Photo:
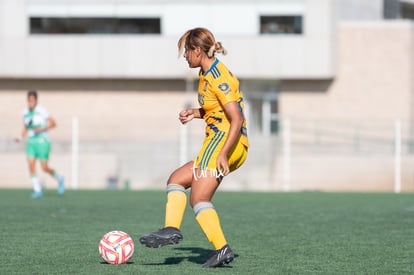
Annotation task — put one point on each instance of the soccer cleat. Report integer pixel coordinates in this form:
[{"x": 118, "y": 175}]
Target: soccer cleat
[
  {"x": 221, "y": 257},
  {"x": 36, "y": 195},
  {"x": 164, "y": 236},
  {"x": 61, "y": 185}
]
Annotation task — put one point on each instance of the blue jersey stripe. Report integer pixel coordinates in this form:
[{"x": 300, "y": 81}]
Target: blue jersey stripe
[
  {"x": 218, "y": 138},
  {"x": 204, "y": 157},
  {"x": 205, "y": 153},
  {"x": 216, "y": 73},
  {"x": 206, "y": 160}
]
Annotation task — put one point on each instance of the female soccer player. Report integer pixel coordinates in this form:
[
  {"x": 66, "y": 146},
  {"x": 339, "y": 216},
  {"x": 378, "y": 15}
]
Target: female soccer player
[
  {"x": 37, "y": 122},
  {"x": 223, "y": 151}
]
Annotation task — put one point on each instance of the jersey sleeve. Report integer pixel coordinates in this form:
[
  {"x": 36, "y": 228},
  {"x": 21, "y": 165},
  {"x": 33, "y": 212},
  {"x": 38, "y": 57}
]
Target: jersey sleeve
[{"x": 225, "y": 91}]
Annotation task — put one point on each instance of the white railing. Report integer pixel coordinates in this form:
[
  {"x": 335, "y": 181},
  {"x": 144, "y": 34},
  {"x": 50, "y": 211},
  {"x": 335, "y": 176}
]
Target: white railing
[{"x": 304, "y": 155}]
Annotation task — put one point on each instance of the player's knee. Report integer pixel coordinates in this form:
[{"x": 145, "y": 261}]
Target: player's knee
[
  {"x": 170, "y": 179},
  {"x": 180, "y": 179},
  {"x": 193, "y": 202},
  {"x": 197, "y": 199}
]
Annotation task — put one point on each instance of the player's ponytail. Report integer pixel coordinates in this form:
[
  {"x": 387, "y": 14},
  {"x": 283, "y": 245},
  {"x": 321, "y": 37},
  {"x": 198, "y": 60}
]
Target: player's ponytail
[
  {"x": 203, "y": 38},
  {"x": 216, "y": 48}
]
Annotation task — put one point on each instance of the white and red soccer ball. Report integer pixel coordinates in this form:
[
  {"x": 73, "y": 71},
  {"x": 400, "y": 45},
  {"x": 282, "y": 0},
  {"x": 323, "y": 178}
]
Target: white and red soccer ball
[{"x": 116, "y": 247}]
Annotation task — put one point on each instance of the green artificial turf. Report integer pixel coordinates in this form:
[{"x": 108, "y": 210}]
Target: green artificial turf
[{"x": 270, "y": 233}]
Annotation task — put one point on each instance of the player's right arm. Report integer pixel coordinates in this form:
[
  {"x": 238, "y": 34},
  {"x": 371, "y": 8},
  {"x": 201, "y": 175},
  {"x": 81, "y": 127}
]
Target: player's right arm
[
  {"x": 23, "y": 135},
  {"x": 187, "y": 115}
]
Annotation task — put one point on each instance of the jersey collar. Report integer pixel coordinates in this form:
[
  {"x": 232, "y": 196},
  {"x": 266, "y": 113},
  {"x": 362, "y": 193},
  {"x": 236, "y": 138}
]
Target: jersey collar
[
  {"x": 34, "y": 108},
  {"x": 212, "y": 67}
]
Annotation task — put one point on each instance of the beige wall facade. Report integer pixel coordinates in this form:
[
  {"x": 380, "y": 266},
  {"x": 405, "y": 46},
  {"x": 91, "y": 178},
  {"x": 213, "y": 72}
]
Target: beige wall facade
[
  {"x": 374, "y": 79},
  {"x": 373, "y": 88}
]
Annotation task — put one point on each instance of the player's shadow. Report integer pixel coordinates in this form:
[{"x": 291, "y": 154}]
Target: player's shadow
[
  {"x": 201, "y": 254},
  {"x": 200, "y": 257}
]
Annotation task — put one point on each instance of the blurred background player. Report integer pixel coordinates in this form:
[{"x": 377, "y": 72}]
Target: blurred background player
[
  {"x": 224, "y": 148},
  {"x": 37, "y": 122}
]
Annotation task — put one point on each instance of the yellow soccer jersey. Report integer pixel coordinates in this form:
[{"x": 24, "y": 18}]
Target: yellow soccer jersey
[{"x": 217, "y": 87}]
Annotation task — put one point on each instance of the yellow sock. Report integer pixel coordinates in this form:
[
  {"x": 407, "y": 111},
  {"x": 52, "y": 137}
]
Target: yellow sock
[
  {"x": 175, "y": 207},
  {"x": 209, "y": 222}
]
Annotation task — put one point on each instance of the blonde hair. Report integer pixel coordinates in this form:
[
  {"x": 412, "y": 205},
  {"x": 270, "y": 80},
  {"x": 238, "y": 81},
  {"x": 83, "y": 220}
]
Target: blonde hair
[{"x": 203, "y": 38}]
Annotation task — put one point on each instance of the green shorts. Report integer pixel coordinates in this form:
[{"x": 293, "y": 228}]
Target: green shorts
[{"x": 38, "y": 148}]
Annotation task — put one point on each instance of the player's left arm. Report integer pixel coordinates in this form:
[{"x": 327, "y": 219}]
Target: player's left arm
[{"x": 236, "y": 122}]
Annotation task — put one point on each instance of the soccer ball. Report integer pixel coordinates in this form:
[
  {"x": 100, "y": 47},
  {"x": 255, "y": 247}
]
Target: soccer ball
[{"x": 116, "y": 247}]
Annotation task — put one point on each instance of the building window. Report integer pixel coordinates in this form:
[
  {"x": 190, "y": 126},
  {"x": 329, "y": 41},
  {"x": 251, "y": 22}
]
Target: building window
[
  {"x": 394, "y": 9},
  {"x": 407, "y": 10},
  {"x": 76, "y": 25},
  {"x": 391, "y": 9},
  {"x": 292, "y": 24}
]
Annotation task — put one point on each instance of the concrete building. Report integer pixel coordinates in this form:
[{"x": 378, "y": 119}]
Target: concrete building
[{"x": 42, "y": 39}]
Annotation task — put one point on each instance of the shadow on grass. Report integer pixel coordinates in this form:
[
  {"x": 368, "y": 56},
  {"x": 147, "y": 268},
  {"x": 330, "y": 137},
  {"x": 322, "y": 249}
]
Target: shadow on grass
[
  {"x": 202, "y": 255},
  {"x": 105, "y": 263}
]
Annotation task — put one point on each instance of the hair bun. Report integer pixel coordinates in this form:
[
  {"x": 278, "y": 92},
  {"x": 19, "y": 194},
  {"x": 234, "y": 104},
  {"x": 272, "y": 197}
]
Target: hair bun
[
  {"x": 216, "y": 48},
  {"x": 220, "y": 49}
]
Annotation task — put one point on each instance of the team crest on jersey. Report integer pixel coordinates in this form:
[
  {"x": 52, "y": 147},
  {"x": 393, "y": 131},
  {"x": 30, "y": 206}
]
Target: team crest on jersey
[{"x": 224, "y": 87}]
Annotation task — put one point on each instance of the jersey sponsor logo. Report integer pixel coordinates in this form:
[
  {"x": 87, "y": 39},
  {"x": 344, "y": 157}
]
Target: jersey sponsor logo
[
  {"x": 239, "y": 104},
  {"x": 205, "y": 87},
  {"x": 218, "y": 119},
  {"x": 213, "y": 127},
  {"x": 224, "y": 87},
  {"x": 201, "y": 100},
  {"x": 243, "y": 131}
]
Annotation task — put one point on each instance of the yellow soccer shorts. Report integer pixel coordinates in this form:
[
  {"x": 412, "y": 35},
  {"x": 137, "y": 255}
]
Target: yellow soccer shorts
[{"x": 207, "y": 158}]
